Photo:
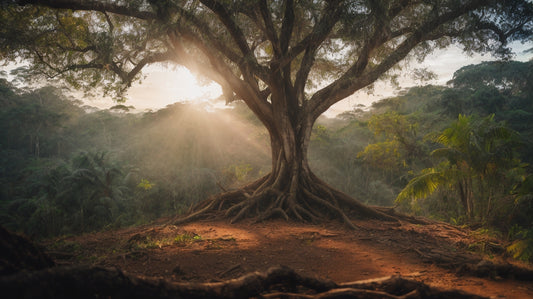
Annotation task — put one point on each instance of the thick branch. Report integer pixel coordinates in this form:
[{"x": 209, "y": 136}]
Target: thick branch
[
  {"x": 220, "y": 73},
  {"x": 502, "y": 35},
  {"x": 91, "y": 5},
  {"x": 310, "y": 44},
  {"x": 287, "y": 26},
  {"x": 303, "y": 74},
  {"x": 214, "y": 43},
  {"x": 285, "y": 35},
  {"x": 248, "y": 64},
  {"x": 208, "y": 35},
  {"x": 380, "y": 35},
  {"x": 354, "y": 79},
  {"x": 397, "y": 7},
  {"x": 230, "y": 25},
  {"x": 320, "y": 32},
  {"x": 269, "y": 28},
  {"x": 158, "y": 57}
]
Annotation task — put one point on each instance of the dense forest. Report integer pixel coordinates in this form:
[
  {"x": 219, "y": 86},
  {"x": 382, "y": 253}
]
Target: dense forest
[{"x": 459, "y": 153}]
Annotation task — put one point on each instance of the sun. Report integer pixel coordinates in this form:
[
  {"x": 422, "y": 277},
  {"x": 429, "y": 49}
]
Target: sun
[{"x": 162, "y": 86}]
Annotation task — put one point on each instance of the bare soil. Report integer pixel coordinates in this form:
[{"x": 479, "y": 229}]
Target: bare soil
[{"x": 437, "y": 254}]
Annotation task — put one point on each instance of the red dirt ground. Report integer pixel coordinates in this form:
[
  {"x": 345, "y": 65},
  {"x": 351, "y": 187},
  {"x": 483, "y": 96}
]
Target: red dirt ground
[{"x": 216, "y": 250}]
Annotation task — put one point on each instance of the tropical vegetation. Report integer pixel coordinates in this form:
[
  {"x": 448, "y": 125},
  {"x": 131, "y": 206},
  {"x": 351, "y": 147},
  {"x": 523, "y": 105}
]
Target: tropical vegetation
[{"x": 68, "y": 168}]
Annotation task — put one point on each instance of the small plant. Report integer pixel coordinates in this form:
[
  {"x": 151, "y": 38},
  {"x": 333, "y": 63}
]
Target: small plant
[
  {"x": 522, "y": 247},
  {"x": 149, "y": 243},
  {"x": 145, "y": 185},
  {"x": 459, "y": 221},
  {"x": 486, "y": 242},
  {"x": 186, "y": 239}
]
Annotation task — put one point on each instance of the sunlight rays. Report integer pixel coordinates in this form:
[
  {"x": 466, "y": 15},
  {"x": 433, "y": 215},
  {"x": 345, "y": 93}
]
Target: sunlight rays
[
  {"x": 186, "y": 140},
  {"x": 163, "y": 86}
]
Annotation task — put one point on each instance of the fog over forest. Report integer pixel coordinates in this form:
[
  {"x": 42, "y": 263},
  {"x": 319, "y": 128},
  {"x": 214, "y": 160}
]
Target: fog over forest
[{"x": 66, "y": 168}]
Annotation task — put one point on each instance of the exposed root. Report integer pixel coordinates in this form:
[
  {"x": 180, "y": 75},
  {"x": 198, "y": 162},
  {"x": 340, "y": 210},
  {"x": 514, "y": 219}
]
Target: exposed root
[
  {"x": 307, "y": 214},
  {"x": 238, "y": 207},
  {"x": 272, "y": 213},
  {"x": 335, "y": 209},
  {"x": 276, "y": 282},
  {"x": 195, "y": 215},
  {"x": 305, "y": 198}
]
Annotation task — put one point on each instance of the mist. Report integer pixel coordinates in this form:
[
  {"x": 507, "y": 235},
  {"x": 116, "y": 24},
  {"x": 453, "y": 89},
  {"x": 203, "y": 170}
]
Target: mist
[{"x": 69, "y": 168}]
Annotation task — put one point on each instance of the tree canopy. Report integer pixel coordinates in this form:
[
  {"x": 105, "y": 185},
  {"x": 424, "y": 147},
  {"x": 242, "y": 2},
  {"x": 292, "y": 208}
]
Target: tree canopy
[
  {"x": 289, "y": 61},
  {"x": 251, "y": 48}
]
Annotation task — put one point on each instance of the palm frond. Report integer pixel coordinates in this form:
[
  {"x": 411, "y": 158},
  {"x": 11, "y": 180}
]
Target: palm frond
[{"x": 422, "y": 185}]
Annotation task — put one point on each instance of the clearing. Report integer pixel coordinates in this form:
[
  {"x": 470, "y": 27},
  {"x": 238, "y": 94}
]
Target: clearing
[{"x": 437, "y": 254}]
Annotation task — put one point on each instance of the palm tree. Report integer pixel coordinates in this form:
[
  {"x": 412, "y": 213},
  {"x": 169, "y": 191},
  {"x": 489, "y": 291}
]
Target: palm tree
[
  {"x": 97, "y": 185},
  {"x": 477, "y": 153}
]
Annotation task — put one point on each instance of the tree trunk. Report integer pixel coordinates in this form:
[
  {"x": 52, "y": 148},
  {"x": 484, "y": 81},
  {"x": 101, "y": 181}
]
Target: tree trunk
[
  {"x": 463, "y": 197},
  {"x": 37, "y": 147},
  {"x": 291, "y": 190},
  {"x": 470, "y": 197}
]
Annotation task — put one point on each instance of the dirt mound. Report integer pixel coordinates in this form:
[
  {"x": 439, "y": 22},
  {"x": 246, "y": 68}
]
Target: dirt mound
[{"x": 18, "y": 253}]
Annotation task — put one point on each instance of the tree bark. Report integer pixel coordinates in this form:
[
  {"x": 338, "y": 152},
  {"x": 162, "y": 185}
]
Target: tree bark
[{"x": 291, "y": 190}]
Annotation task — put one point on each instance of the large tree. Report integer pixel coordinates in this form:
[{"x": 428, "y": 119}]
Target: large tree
[{"x": 289, "y": 61}]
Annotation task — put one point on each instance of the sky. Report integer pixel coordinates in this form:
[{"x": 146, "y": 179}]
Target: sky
[
  {"x": 443, "y": 63},
  {"x": 163, "y": 86}
]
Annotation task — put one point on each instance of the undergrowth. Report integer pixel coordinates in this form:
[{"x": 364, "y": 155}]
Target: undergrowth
[{"x": 522, "y": 243}]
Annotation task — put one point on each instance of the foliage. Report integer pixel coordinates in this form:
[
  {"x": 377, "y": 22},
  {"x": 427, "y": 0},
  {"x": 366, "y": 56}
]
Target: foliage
[
  {"x": 499, "y": 186},
  {"x": 145, "y": 185},
  {"x": 400, "y": 134},
  {"x": 90, "y": 46},
  {"x": 186, "y": 239},
  {"x": 116, "y": 169},
  {"x": 522, "y": 246},
  {"x": 521, "y": 232},
  {"x": 510, "y": 77},
  {"x": 102, "y": 169},
  {"x": 275, "y": 56},
  {"x": 478, "y": 154}
]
